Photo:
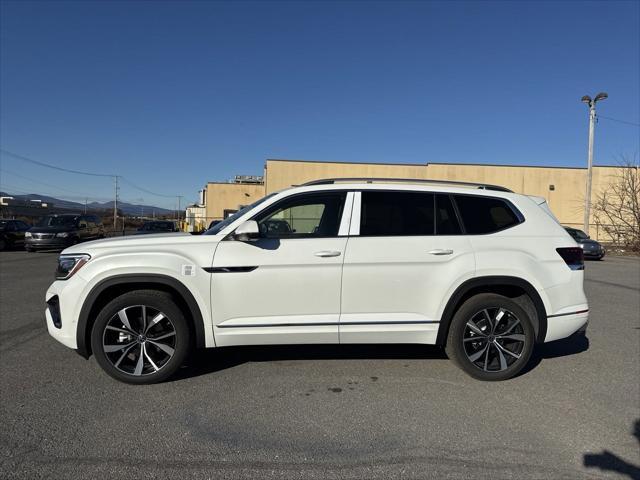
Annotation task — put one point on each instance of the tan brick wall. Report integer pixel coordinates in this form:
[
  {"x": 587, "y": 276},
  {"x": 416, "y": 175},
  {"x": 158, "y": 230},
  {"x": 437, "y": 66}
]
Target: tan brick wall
[
  {"x": 566, "y": 200},
  {"x": 222, "y": 196}
]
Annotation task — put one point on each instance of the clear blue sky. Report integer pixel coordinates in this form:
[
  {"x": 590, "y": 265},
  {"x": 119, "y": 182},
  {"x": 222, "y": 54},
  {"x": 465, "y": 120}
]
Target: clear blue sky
[{"x": 173, "y": 94}]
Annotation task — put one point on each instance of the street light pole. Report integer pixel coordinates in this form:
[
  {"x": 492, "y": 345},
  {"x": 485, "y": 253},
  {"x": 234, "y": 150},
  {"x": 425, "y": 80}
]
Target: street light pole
[{"x": 592, "y": 130}]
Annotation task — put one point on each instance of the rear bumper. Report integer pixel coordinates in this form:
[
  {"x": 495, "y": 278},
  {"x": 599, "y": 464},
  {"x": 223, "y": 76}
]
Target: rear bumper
[{"x": 562, "y": 325}]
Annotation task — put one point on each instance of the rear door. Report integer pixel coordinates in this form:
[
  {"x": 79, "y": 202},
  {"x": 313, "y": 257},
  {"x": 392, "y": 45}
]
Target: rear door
[
  {"x": 405, "y": 252},
  {"x": 285, "y": 286}
]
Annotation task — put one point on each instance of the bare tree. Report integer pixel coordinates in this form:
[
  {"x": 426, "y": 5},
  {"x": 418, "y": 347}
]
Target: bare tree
[{"x": 617, "y": 208}]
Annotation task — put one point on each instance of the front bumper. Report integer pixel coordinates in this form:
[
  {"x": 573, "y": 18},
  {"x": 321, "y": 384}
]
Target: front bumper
[
  {"x": 593, "y": 251},
  {"x": 62, "y": 309},
  {"x": 48, "y": 243}
]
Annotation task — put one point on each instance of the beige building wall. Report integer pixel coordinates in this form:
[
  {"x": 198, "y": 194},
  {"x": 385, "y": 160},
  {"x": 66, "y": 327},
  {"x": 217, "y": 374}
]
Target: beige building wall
[
  {"x": 566, "y": 199},
  {"x": 281, "y": 174},
  {"x": 230, "y": 196},
  {"x": 562, "y": 187}
]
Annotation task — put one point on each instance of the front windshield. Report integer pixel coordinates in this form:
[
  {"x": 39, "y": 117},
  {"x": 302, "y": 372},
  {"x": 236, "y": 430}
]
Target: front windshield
[
  {"x": 63, "y": 221},
  {"x": 578, "y": 234},
  {"x": 158, "y": 226},
  {"x": 227, "y": 221}
]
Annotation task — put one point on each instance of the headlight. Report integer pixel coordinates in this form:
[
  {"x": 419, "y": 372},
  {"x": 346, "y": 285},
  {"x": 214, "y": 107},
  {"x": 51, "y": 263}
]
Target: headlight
[
  {"x": 69, "y": 264},
  {"x": 27, "y": 234},
  {"x": 62, "y": 234}
]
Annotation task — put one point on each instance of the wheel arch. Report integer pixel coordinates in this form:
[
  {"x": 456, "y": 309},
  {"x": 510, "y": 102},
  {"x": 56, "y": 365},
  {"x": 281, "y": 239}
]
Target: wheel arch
[
  {"x": 111, "y": 287},
  {"x": 513, "y": 287}
]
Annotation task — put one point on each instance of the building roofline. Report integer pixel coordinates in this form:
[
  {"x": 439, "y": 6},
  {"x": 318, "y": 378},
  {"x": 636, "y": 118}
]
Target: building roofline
[
  {"x": 436, "y": 163},
  {"x": 234, "y": 183},
  {"x": 348, "y": 163}
]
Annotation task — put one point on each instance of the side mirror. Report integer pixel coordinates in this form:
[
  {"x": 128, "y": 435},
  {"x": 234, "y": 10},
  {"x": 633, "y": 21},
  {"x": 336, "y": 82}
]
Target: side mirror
[{"x": 247, "y": 231}]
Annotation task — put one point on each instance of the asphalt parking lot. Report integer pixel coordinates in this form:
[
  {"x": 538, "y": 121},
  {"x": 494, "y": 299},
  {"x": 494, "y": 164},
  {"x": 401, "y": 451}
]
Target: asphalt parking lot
[{"x": 322, "y": 412}]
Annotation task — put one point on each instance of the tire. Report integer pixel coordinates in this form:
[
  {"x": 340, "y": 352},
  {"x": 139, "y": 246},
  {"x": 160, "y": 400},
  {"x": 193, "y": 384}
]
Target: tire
[
  {"x": 28, "y": 249},
  {"x": 3, "y": 244},
  {"x": 160, "y": 358},
  {"x": 501, "y": 349}
]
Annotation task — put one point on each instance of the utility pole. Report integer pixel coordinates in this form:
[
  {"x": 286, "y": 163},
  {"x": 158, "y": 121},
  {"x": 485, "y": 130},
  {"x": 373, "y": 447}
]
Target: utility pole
[
  {"x": 115, "y": 204},
  {"x": 592, "y": 129},
  {"x": 85, "y": 205},
  {"x": 179, "y": 201}
]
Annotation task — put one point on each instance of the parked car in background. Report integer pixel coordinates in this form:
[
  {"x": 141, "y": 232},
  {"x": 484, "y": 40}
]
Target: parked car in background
[
  {"x": 61, "y": 231},
  {"x": 12, "y": 233},
  {"x": 213, "y": 224},
  {"x": 157, "y": 226},
  {"x": 590, "y": 248}
]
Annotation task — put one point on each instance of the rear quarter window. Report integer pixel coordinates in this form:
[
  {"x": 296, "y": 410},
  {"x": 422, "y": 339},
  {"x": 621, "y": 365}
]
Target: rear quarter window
[{"x": 481, "y": 215}]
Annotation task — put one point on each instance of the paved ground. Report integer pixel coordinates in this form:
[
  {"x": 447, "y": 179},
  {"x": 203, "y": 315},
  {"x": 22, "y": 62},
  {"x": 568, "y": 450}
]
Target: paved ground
[{"x": 322, "y": 412}]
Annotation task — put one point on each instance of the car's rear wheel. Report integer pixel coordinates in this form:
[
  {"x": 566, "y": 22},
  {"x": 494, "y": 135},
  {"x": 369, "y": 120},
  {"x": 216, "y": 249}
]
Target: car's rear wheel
[
  {"x": 491, "y": 337},
  {"x": 141, "y": 337}
]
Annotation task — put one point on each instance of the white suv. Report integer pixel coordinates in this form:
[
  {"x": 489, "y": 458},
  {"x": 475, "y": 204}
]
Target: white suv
[{"x": 478, "y": 269}]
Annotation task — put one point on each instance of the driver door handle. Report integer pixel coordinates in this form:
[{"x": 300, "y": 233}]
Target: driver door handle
[
  {"x": 441, "y": 251},
  {"x": 327, "y": 253}
]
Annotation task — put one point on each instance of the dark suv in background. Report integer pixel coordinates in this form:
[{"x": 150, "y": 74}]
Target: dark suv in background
[
  {"x": 590, "y": 248},
  {"x": 61, "y": 231}
]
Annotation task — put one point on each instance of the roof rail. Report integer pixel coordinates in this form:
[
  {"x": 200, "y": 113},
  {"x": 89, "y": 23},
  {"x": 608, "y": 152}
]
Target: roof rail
[{"x": 483, "y": 186}]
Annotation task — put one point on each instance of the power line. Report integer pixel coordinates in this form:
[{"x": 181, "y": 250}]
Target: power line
[
  {"x": 61, "y": 169},
  {"x": 56, "y": 196},
  {"x": 78, "y": 172},
  {"x": 131, "y": 184},
  {"x": 43, "y": 164},
  {"x": 619, "y": 121},
  {"x": 42, "y": 183}
]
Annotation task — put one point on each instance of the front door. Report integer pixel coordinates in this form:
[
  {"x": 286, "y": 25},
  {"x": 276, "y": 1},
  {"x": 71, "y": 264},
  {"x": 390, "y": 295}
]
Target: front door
[
  {"x": 285, "y": 286},
  {"x": 404, "y": 254}
]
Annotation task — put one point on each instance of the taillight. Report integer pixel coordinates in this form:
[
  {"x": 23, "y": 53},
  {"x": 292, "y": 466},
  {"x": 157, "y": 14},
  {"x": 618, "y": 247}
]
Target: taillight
[{"x": 573, "y": 257}]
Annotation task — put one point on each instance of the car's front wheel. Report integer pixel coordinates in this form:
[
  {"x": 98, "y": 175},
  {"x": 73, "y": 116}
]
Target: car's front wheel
[
  {"x": 491, "y": 337},
  {"x": 141, "y": 337}
]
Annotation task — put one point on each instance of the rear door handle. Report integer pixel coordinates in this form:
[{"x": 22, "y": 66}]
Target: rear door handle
[
  {"x": 327, "y": 253},
  {"x": 440, "y": 251}
]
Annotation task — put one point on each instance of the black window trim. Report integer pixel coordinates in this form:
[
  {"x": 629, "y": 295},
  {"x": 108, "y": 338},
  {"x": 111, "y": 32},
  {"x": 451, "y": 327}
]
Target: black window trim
[
  {"x": 519, "y": 216},
  {"x": 428, "y": 192},
  {"x": 521, "y": 219},
  {"x": 269, "y": 208}
]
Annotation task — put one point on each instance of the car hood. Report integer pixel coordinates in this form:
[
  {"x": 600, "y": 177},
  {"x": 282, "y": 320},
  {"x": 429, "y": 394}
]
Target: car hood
[
  {"x": 55, "y": 229},
  {"x": 140, "y": 243}
]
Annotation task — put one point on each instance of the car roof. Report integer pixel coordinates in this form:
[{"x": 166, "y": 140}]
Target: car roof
[{"x": 396, "y": 186}]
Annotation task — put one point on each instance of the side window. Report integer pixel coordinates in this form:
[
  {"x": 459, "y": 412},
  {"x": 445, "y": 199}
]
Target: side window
[
  {"x": 446, "y": 218},
  {"x": 303, "y": 216},
  {"x": 484, "y": 214},
  {"x": 396, "y": 213},
  {"x": 12, "y": 227}
]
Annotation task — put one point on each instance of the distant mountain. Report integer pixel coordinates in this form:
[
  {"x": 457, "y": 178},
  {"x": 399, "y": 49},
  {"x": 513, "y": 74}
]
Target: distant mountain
[
  {"x": 126, "y": 208},
  {"x": 130, "y": 208}
]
